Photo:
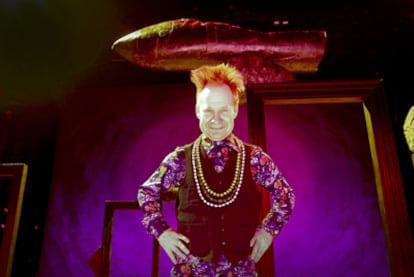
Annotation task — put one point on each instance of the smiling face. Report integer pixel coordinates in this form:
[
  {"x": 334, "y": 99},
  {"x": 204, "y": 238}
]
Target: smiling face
[{"x": 216, "y": 111}]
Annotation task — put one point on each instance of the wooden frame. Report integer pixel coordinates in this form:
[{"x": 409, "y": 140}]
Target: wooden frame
[
  {"x": 14, "y": 177},
  {"x": 110, "y": 207},
  {"x": 390, "y": 190}
]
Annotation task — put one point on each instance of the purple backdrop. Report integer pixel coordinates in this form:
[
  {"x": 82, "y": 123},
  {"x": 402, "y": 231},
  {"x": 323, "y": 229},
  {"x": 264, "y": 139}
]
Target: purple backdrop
[{"x": 111, "y": 140}]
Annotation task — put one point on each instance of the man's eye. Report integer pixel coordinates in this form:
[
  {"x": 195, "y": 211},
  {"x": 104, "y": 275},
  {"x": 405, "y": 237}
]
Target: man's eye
[
  {"x": 208, "y": 112},
  {"x": 225, "y": 111}
]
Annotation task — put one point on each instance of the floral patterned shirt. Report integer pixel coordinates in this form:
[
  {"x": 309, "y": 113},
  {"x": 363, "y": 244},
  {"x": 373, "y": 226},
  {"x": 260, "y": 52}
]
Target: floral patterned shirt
[{"x": 172, "y": 170}]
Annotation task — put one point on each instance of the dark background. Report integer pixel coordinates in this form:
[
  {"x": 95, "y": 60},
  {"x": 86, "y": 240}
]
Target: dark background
[{"x": 48, "y": 49}]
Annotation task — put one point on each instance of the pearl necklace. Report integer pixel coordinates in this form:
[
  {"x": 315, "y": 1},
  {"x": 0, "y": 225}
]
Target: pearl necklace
[{"x": 209, "y": 196}]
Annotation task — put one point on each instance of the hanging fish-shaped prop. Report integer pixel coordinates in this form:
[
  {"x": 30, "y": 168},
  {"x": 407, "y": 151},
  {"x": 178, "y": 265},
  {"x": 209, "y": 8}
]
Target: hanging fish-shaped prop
[{"x": 184, "y": 44}]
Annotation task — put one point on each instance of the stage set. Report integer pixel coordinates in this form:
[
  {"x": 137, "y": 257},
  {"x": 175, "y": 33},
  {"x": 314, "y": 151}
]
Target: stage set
[{"x": 332, "y": 139}]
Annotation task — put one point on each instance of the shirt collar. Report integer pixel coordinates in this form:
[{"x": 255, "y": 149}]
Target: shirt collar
[{"x": 208, "y": 144}]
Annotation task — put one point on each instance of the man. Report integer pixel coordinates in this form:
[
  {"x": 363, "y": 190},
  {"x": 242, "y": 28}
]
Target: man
[{"x": 217, "y": 176}]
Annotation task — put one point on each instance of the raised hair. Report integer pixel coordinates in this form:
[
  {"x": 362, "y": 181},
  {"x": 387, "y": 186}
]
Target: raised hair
[{"x": 221, "y": 74}]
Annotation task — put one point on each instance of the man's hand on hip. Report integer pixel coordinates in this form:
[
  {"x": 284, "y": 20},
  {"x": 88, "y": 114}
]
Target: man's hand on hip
[
  {"x": 260, "y": 243},
  {"x": 174, "y": 244}
]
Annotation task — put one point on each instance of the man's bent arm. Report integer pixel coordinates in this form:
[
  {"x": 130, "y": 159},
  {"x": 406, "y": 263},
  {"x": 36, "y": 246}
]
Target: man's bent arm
[{"x": 169, "y": 173}]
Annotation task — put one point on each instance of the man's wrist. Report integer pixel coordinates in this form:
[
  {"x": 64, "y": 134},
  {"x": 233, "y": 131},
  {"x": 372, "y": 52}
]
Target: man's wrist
[
  {"x": 157, "y": 227},
  {"x": 269, "y": 230}
]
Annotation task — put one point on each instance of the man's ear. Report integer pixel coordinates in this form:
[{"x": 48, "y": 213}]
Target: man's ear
[
  {"x": 236, "y": 111},
  {"x": 197, "y": 111}
]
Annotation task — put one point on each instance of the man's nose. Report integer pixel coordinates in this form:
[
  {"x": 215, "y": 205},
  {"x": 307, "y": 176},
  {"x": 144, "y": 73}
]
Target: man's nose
[{"x": 216, "y": 118}]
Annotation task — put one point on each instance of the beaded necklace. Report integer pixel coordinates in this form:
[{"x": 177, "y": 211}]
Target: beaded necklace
[{"x": 209, "y": 196}]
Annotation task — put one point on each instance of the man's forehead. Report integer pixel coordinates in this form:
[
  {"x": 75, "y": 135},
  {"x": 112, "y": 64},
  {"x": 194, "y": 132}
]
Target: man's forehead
[
  {"x": 215, "y": 105},
  {"x": 215, "y": 97},
  {"x": 216, "y": 102}
]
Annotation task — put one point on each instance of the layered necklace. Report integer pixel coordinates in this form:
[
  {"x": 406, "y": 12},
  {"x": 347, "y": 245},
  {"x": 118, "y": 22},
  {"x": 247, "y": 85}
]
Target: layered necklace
[{"x": 206, "y": 193}]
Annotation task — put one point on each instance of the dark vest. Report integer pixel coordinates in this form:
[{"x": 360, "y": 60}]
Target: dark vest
[{"x": 213, "y": 231}]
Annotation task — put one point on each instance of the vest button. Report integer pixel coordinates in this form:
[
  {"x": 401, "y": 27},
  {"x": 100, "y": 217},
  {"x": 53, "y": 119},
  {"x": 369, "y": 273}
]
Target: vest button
[
  {"x": 223, "y": 243},
  {"x": 222, "y": 229}
]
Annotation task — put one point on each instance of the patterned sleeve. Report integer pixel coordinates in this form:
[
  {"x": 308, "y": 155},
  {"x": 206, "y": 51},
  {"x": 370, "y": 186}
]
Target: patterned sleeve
[
  {"x": 266, "y": 173},
  {"x": 170, "y": 172}
]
